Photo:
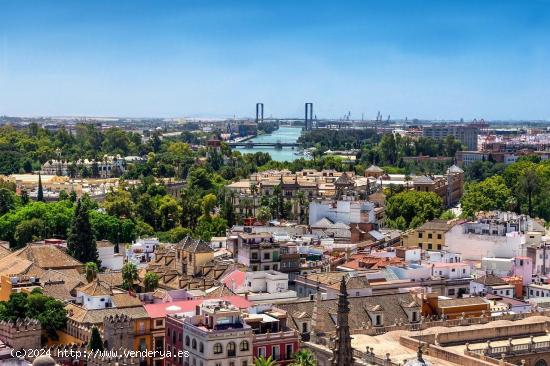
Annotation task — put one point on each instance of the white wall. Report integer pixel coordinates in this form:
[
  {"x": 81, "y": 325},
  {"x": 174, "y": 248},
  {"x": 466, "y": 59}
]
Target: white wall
[
  {"x": 475, "y": 247},
  {"x": 345, "y": 211},
  {"x": 94, "y": 302},
  {"x": 109, "y": 259},
  {"x": 416, "y": 273}
]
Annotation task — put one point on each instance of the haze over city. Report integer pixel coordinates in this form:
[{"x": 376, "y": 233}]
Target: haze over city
[{"x": 430, "y": 59}]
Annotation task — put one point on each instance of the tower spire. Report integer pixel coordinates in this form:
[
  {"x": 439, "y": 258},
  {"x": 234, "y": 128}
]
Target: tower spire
[{"x": 342, "y": 353}]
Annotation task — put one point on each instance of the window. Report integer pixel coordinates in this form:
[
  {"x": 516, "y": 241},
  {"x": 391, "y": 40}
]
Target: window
[
  {"x": 201, "y": 347},
  {"x": 159, "y": 322},
  {"x": 438, "y": 246},
  {"x": 429, "y": 235},
  {"x": 267, "y": 255},
  {"x": 231, "y": 349},
  {"x": 419, "y": 235},
  {"x": 187, "y": 341},
  {"x": 304, "y": 326},
  {"x": 218, "y": 348},
  {"x": 289, "y": 349},
  {"x": 378, "y": 320},
  {"x": 244, "y": 346},
  {"x": 266, "y": 268},
  {"x": 194, "y": 343},
  {"x": 276, "y": 352},
  {"x": 244, "y": 363},
  {"x": 430, "y": 246},
  {"x": 439, "y": 236},
  {"x": 254, "y": 255},
  {"x": 261, "y": 351},
  {"x": 451, "y": 292},
  {"x": 275, "y": 267}
]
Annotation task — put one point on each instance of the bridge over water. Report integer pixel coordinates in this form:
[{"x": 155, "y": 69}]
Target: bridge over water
[{"x": 251, "y": 144}]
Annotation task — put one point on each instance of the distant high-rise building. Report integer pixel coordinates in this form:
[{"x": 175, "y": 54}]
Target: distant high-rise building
[{"x": 466, "y": 134}]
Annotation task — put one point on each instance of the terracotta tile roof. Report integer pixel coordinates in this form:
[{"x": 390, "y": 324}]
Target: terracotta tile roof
[
  {"x": 13, "y": 265},
  {"x": 195, "y": 246},
  {"x": 124, "y": 300},
  {"x": 465, "y": 301},
  {"x": 220, "y": 291},
  {"x": 59, "y": 285},
  {"x": 344, "y": 180},
  {"x": 96, "y": 288},
  {"x": 46, "y": 256},
  {"x": 333, "y": 279},
  {"x": 113, "y": 278},
  {"x": 361, "y": 261},
  {"x": 4, "y": 252},
  {"x": 96, "y": 316},
  {"x": 437, "y": 224},
  {"x": 490, "y": 280},
  {"x": 392, "y": 306}
]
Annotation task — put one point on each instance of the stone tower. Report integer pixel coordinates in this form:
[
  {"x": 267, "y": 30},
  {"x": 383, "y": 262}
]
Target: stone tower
[
  {"x": 342, "y": 353},
  {"x": 118, "y": 332}
]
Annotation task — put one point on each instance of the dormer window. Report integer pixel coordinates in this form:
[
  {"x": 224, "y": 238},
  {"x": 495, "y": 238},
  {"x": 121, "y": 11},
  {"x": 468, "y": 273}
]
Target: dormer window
[{"x": 378, "y": 320}]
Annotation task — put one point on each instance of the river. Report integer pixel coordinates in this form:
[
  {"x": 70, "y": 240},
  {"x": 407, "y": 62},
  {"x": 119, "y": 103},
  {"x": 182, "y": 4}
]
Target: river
[{"x": 283, "y": 134}]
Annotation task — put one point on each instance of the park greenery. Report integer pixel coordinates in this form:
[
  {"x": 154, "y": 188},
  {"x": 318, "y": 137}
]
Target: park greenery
[{"x": 520, "y": 187}]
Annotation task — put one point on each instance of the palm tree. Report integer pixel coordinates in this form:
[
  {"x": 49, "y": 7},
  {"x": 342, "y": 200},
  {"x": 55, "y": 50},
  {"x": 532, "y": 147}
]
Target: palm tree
[
  {"x": 150, "y": 281},
  {"x": 262, "y": 361},
  {"x": 129, "y": 275},
  {"x": 304, "y": 357}
]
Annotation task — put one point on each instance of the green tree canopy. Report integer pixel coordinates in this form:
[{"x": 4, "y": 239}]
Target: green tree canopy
[
  {"x": 150, "y": 281},
  {"x": 95, "y": 343},
  {"x": 414, "y": 207},
  {"x": 81, "y": 242},
  {"x": 490, "y": 194}
]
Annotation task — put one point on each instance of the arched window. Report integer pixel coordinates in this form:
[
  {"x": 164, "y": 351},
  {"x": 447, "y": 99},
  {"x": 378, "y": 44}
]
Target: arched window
[
  {"x": 218, "y": 348},
  {"x": 187, "y": 341},
  {"x": 244, "y": 346},
  {"x": 201, "y": 347},
  {"x": 194, "y": 343},
  {"x": 231, "y": 349}
]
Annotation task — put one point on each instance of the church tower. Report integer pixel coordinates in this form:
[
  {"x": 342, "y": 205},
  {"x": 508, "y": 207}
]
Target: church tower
[{"x": 342, "y": 353}]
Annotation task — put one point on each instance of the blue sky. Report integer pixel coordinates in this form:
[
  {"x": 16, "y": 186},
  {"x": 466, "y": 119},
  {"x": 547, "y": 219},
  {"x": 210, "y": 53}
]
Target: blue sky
[{"x": 426, "y": 59}]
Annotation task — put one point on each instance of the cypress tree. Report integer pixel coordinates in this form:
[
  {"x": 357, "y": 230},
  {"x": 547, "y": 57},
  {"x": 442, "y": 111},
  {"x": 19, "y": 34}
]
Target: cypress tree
[
  {"x": 95, "y": 344},
  {"x": 40, "y": 194},
  {"x": 81, "y": 242}
]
